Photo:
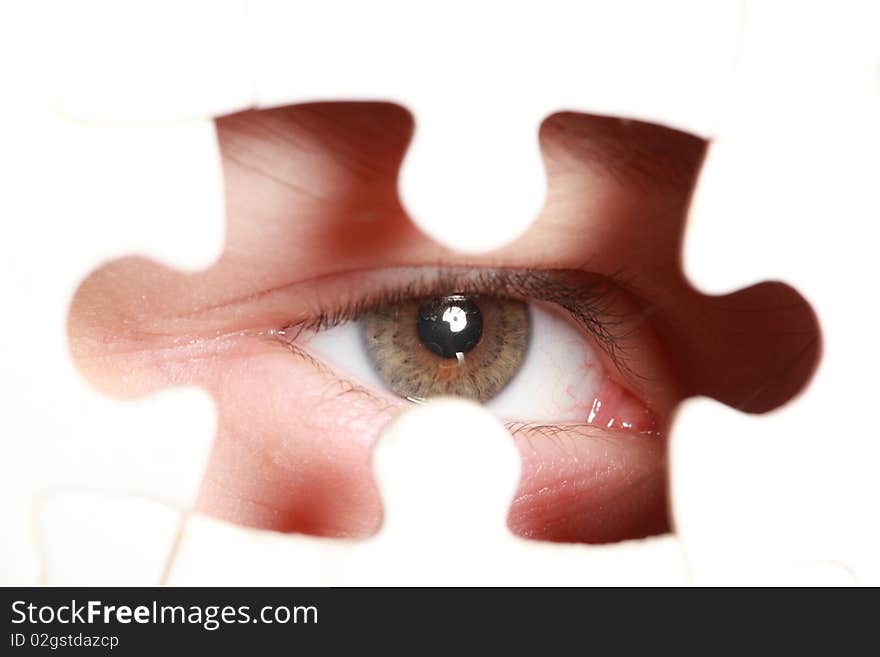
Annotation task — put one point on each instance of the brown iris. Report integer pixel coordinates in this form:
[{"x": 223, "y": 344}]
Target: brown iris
[{"x": 468, "y": 346}]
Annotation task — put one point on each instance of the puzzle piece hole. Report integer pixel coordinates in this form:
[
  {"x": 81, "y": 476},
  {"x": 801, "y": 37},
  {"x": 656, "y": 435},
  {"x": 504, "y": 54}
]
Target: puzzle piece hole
[{"x": 316, "y": 233}]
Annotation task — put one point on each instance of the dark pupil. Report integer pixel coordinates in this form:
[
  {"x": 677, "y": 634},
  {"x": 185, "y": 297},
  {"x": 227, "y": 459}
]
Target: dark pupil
[{"x": 450, "y": 325}]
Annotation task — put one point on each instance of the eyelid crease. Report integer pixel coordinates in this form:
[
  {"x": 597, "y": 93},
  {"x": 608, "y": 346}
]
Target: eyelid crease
[{"x": 588, "y": 299}]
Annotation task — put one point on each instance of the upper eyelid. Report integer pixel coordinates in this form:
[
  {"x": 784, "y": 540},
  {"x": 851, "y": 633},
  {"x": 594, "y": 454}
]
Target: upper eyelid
[{"x": 527, "y": 284}]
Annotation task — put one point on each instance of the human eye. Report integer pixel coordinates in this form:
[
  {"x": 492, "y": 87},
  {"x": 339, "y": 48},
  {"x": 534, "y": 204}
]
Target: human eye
[{"x": 533, "y": 346}]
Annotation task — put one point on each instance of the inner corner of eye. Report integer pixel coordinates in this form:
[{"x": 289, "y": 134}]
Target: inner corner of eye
[{"x": 525, "y": 361}]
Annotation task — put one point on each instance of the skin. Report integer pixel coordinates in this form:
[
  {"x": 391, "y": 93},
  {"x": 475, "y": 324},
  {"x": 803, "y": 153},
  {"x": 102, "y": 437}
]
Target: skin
[{"x": 313, "y": 220}]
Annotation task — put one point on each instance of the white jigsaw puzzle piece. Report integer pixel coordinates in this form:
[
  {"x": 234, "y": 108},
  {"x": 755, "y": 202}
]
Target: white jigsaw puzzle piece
[
  {"x": 144, "y": 60},
  {"x": 104, "y": 540},
  {"x": 83, "y": 240},
  {"x": 511, "y": 64},
  {"x": 139, "y": 190},
  {"x": 447, "y": 472},
  {"x": 757, "y": 500},
  {"x": 791, "y": 177},
  {"x": 217, "y": 553}
]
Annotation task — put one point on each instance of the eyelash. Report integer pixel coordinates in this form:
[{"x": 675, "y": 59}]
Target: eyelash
[{"x": 587, "y": 298}]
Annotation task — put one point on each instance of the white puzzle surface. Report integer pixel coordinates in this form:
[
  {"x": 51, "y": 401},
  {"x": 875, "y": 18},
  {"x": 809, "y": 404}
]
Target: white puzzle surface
[{"x": 788, "y": 192}]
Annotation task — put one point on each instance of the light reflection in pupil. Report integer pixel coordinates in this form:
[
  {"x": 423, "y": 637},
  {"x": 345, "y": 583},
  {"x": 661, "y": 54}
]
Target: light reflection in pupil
[
  {"x": 450, "y": 326},
  {"x": 456, "y": 317}
]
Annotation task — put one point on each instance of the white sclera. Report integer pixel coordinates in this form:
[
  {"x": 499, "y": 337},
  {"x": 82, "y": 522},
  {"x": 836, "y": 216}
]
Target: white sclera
[{"x": 558, "y": 380}]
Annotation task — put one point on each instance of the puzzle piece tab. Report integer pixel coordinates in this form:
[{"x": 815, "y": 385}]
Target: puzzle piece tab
[
  {"x": 65, "y": 214},
  {"x": 788, "y": 191}
]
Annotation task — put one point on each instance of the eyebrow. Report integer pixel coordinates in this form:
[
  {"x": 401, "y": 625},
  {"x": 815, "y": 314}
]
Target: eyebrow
[{"x": 634, "y": 153}]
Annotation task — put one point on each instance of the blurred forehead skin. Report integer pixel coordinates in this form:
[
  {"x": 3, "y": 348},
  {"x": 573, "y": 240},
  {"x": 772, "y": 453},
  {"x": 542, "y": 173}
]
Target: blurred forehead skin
[{"x": 311, "y": 191}]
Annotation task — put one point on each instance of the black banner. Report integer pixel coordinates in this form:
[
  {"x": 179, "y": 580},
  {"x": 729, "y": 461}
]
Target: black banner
[{"x": 151, "y": 620}]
